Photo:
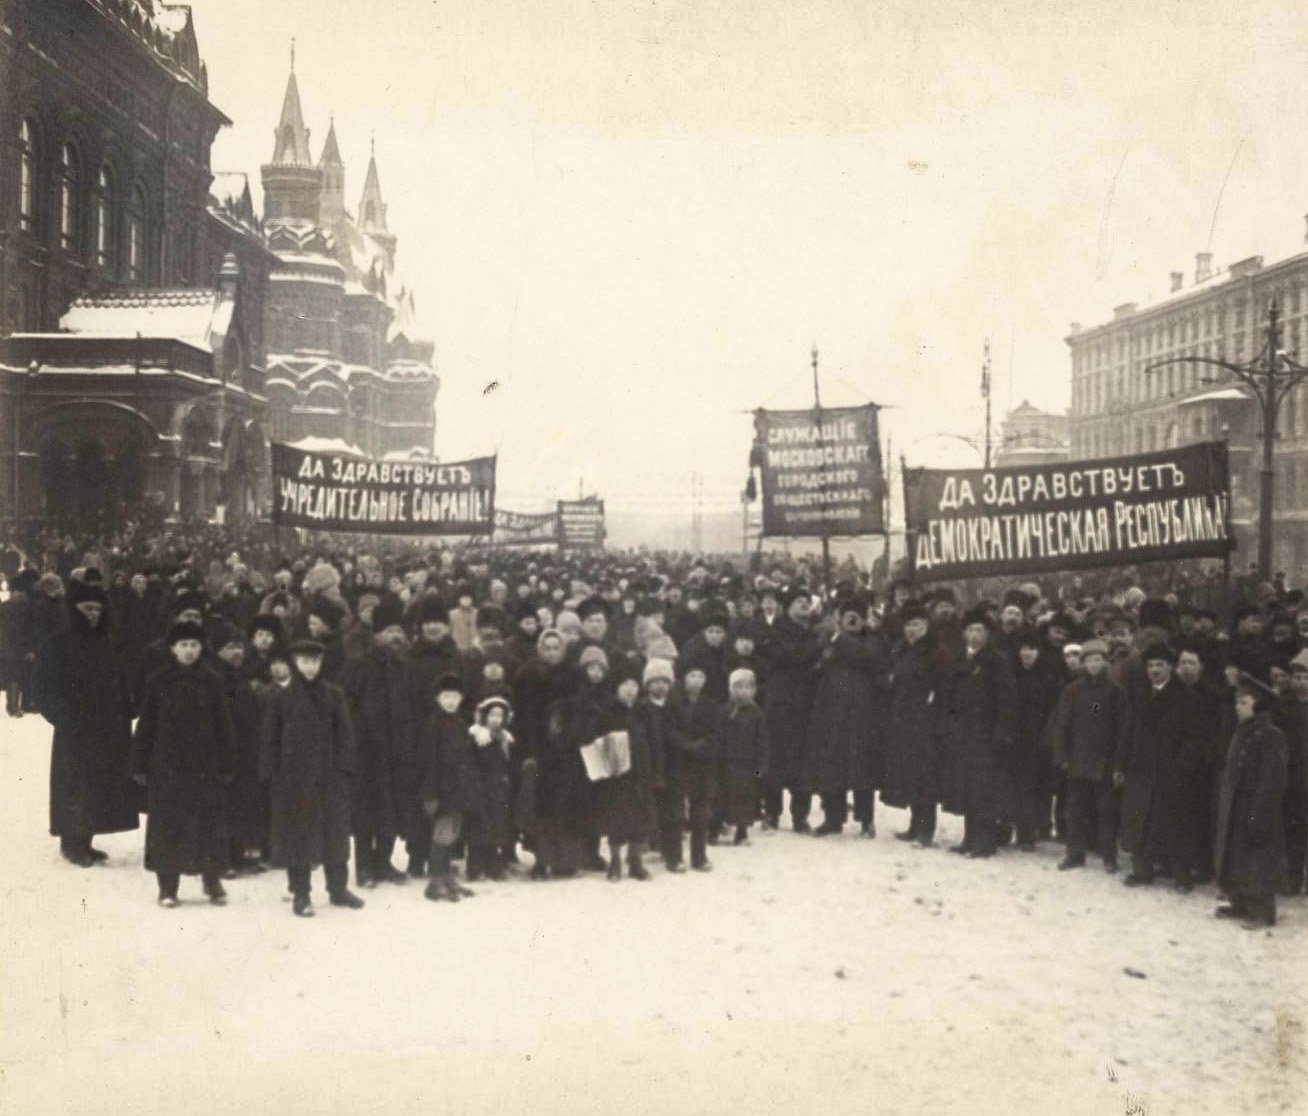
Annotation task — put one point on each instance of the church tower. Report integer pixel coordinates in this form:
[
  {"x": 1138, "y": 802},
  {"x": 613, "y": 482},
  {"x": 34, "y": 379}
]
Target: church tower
[
  {"x": 291, "y": 183},
  {"x": 331, "y": 208},
  {"x": 372, "y": 210}
]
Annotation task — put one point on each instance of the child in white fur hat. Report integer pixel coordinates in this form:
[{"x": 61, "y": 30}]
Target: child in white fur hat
[{"x": 745, "y": 753}]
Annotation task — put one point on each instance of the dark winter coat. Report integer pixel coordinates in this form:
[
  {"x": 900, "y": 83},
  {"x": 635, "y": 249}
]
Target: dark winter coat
[
  {"x": 449, "y": 774},
  {"x": 1161, "y": 802},
  {"x": 247, "y": 803},
  {"x": 431, "y": 662},
  {"x": 565, "y": 794},
  {"x": 625, "y": 808},
  {"x": 1027, "y": 769},
  {"x": 1250, "y": 826},
  {"x": 845, "y": 748},
  {"x": 980, "y": 708},
  {"x": 744, "y": 762},
  {"x": 698, "y": 655},
  {"x": 913, "y": 742},
  {"x": 1090, "y": 728},
  {"x": 792, "y": 657},
  {"x": 307, "y": 759},
  {"x": 489, "y": 821},
  {"x": 82, "y": 692},
  {"x": 536, "y": 688},
  {"x": 139, "y": 623},
  {"x": 385, "y": 712},
  {"x": 185, "y": 746}
]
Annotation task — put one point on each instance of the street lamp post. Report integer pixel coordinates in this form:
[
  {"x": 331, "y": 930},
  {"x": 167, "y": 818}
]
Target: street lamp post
[{"x": 1269, "y": 377}]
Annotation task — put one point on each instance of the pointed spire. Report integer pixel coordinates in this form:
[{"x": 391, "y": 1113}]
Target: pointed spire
[
  {"x": 331, "y": 151},
  {"x": 292, "y": 137},
  {"x": 372, "y": 210}
]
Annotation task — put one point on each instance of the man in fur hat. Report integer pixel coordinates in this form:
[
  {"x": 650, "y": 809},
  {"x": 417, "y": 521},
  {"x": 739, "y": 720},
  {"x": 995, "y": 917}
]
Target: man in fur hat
[
  {"x": 979, "y": 712},
  {"x": 83, "y": 694},
  {"x": 1162, "y": 772},
  {"x": 791, "y": 656},
  {"x": 189, "y": 607},
  {"x": 386, "y": 711}
]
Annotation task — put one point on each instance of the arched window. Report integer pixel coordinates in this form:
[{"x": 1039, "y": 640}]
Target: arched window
[
  {"x": 70, "y": 217},
  {"x": 27, "y": 163},
  {"x": 105, "y": 256},
  {"x": 136, "y": 236}
]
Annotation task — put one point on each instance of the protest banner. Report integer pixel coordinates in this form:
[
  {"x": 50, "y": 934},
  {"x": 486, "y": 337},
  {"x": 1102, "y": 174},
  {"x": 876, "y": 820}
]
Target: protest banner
[
  {"x": 521, "y": 529},
  {"x": 820, "y": 478},
  {"x": 344, "y": 492},
  {"x": 581, "y": 523},
  {"x": 1069, "y": 515}
]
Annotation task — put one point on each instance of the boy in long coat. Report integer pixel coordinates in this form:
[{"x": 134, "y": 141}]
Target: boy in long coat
[
  {"x": 625, "y": 809},
  {"x": 1088, "y": 739},
  {"x": 307, "y": 757},
  {"x": 979, "y": 712},
  {"x": 184, "y": 753},
  {"x": 82, "y": 692},
  {"x": 385, "y": 709},
  {"x": 690, "y": 777},
  {"x": 450, "y": 788},
  {"x": 247, "y": 800},
  {"x": 1250, "y": 826}
]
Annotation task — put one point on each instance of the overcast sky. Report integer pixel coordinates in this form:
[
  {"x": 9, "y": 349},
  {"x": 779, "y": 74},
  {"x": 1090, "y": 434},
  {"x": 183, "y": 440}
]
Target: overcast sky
[{"x": 637, "y": 218}]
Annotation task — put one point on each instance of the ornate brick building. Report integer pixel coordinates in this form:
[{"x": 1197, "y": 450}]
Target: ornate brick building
[
  {"x": 346, "y": 361},
  {"x": 1118, "y": 408},
  {"x": 141, "y": 294}
]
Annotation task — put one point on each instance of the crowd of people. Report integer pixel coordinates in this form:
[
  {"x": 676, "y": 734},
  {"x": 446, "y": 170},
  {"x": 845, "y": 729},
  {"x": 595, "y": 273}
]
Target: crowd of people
[{"x": 598, "y": 712}]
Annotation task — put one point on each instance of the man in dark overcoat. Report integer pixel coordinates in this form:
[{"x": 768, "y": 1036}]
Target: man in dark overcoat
[
  {"x": 1250, "y": 825},
  {"x": 791, "y": 656},
  {"x": 1162, "y": 801},
  {"x": 82, "y": 692},
  {"x": 1088, "y": 740},
  {"x": 386, "y": 712},
  {"x": 913, "y": 742},
  {"x": 184, "y": 753},
  {"x": 307, "y": 757},
  {"x": 845, "y": 732},
  {"x": 980, "y": 706}
]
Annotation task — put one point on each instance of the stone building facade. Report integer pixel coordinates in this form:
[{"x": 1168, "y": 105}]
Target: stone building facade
[
  {"x": 1030, "y": 436},
  {"x": 1118, "y": 408}
]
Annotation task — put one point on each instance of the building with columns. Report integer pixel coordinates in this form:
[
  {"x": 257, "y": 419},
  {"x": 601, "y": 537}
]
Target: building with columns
[
  {"x": 1118, "y": 408},
  {"x": 1030, "y": 436}
]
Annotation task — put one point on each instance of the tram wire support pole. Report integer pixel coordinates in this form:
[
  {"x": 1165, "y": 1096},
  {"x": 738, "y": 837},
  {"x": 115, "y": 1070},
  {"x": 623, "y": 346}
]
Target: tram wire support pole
[
  {"x": 1269, "y": 378},
  {"x": 821, "y": 441}
]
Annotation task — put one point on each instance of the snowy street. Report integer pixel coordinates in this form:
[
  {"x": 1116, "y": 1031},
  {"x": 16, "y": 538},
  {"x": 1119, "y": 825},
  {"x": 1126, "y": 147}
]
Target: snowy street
[{"x": 863, "y": 976}]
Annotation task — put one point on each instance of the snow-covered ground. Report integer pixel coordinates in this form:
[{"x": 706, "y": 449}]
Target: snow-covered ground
[{"x": 842, "y": 974}]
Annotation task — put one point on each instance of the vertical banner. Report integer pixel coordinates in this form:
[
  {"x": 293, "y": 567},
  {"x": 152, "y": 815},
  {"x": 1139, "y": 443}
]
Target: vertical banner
[
  {"x": 342, "y": 492},
  {"x": 821, "y": 471},
  {"x": 519, "y": 529},
  {"x": 581, "y": 524},
  {"x": 1069, "y": 515}
]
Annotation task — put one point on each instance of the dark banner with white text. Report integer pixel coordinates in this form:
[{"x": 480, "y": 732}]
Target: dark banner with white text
[
  {"x": 522, "y": 529},
  {"x": 581, "y": 524},
  {"x": 1070, "y": 515},
  {"x": 340, "y": 492},
  {"x": 821, "y": 472}
]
